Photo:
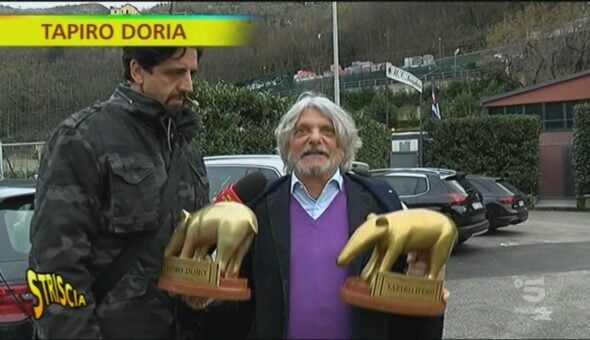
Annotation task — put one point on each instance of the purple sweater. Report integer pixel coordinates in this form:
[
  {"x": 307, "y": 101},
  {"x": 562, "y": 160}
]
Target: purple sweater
[{"x": 315, "y": 308}]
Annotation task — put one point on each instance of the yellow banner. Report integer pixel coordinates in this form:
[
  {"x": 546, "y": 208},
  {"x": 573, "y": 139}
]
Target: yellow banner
[{"x": 124, "y": 30}]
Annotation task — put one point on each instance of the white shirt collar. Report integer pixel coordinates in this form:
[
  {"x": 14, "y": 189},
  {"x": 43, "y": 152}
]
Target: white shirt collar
[{"x": 336, "y": 178}]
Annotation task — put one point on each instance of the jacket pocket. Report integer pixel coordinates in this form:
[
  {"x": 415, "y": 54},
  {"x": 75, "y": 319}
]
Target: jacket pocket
[
  {"x": 122, "y": 301},
  {"x": 198, "y": 169},
  {"x": 134, "y": 195},
  {"x": 135, "y": 309}
]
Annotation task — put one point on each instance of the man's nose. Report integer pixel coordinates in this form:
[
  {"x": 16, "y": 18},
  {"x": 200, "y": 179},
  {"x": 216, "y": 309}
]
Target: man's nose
[
  {"x": 315, "y": 136},
  {"x": 186, "y": 84}
]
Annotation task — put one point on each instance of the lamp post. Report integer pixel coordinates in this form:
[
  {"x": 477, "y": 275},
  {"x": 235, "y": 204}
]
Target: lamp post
[
  {"x": 455, "y": 62},
  {"x": 335, "y": 48},
  {"x": 318, "y": 67}
]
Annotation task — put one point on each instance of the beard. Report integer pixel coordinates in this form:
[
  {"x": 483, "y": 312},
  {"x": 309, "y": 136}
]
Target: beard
[
  {"x": 299, "y": 166},
  {"x": 176, "y": 108}
]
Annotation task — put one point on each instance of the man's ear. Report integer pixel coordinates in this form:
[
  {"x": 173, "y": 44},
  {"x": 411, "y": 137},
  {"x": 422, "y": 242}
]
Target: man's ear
[{"x": 136, "y": 72}]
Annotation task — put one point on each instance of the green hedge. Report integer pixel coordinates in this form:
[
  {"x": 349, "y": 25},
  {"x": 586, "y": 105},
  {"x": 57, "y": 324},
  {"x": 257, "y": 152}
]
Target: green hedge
[
  {"x": 376, "y": 147},
  {"x": 506, "y": 146},
  {"x": 236, "y": 120},
  {"x": 581, "y": 152},
  {"x": 457, "y": 98}
]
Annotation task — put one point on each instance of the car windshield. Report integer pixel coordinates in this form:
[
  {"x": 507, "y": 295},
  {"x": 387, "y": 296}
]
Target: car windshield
[
  {"x": 455, "y": 186},
  {"x": 406, "y": 185},
  {"x": 220, "y": 177},
  {"x": 15, "y": 221},
  {"x": 489, "y": 186},
  {"x": 511, "y": 188}
]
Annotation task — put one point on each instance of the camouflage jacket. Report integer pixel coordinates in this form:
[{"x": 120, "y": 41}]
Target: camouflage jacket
[{"x": 100, "y": 181}]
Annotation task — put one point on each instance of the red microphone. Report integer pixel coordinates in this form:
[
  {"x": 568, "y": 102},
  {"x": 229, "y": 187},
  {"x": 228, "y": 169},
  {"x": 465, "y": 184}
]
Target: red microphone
[
  {"x": 243, "y": 190},
  {"x": 229, "y": 194}
]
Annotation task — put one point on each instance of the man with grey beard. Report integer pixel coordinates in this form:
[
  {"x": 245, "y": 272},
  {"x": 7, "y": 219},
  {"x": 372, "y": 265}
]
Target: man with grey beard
[{"x": 305, "y": 218}]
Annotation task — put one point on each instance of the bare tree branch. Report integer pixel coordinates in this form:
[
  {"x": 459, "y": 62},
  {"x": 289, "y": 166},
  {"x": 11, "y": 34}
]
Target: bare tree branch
[{"x": 553, "y": 65}]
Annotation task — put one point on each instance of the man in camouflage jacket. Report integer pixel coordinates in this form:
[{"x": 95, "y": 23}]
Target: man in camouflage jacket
[{"x": 100, "y": 184}]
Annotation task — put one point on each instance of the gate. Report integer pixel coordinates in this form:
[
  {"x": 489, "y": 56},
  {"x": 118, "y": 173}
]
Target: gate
[
  {"x": 20, "y": 160},
  {"x": 404, "y": 159}
]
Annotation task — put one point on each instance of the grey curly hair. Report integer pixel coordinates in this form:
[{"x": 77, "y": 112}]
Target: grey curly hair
[{"x": 344, "y": 126}]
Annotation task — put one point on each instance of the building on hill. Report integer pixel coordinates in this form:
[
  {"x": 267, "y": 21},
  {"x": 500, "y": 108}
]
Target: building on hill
[
  {"x": 553, "y": 102},
  {"x": 126, "y": 9}
]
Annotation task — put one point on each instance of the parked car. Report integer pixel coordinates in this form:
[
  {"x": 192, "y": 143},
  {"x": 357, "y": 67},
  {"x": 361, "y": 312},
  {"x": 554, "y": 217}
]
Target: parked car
[
  {"x": 227, "y": 169},
  {"x": 441, "y": 190},
  {"x": 505, "y": 204},
  {"x": 16, "y": 302}
]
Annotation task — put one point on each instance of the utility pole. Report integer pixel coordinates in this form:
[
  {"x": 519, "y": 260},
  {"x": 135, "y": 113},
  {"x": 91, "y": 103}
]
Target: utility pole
[
  {"x": 387, "y": 121},
  {"x": 335, "y": 48},
  {"x": 455, "y": 62},
  {"x": 420, "y": 138}
]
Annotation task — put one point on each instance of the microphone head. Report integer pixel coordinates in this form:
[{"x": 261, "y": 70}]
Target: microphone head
[{"x": 250, "y": 186}]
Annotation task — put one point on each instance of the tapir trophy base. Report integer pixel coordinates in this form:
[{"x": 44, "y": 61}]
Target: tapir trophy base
[
  {"x": 202, "y": 279},
  {"x": 396, "y": 294}
]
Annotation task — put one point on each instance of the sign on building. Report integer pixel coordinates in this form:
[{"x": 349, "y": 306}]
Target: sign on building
[{"x": 403, "y": 76}]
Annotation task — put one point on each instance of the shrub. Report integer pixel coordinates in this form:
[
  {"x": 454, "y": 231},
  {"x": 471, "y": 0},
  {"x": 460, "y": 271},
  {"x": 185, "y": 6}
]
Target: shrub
[
  {"x": 237, "y": 120},
  {"x": 581, "y": 151},
  {"x": 504, "y": 145},
  {"x": 376, "y": 147}
]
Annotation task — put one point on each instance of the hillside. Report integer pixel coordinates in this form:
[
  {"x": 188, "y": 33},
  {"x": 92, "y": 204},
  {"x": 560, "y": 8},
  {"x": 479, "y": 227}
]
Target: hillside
[
  {"x": 298, "y": 35},
  {"x": 89, "y": 8},
  {"x": 41, "y": 85}
]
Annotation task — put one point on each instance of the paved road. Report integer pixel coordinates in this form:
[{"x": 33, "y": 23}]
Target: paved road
[{"x": 526, "y": 281}]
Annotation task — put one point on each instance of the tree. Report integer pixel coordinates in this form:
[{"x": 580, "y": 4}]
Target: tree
[
  {"x": 543, "y": 41},
  {"x": 381, "y": 109}
]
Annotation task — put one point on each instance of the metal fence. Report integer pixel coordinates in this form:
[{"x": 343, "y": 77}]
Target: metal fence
[
  {"x": 40, "y": 87},
  {"x": 326, "y": 84},
  {"x": 20, "y": 159}
]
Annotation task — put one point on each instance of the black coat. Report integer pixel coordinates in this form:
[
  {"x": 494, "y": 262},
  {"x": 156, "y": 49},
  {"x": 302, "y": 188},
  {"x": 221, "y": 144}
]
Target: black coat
[
  {"x": 99, "y": 188},
  {"x": 267, "y": 268}
]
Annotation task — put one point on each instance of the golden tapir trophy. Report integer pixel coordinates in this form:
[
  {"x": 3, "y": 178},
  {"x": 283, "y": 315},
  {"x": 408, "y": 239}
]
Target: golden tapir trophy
[
  {"x": 391, "y": 235},
  {"x": 190, "y": 272}
]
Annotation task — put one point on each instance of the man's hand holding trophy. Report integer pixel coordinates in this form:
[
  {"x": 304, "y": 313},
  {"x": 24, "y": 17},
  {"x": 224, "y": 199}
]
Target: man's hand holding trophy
[
  {"x": 227, "y": 224},
  {"x": 414, "y": 231}
]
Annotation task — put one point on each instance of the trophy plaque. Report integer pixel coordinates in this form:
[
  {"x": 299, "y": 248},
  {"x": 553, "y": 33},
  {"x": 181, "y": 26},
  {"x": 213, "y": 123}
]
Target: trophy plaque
[
  {"x": 189, "y": 271},
  {"x": 391, "y": 235}
]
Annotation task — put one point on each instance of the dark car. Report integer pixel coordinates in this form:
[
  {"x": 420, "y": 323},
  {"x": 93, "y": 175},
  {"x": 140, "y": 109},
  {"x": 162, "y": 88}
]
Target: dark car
[
  {"x": 505, "y": 204},
  {"x": 16, "y": 302},
  {"x": 442, "y": 190}
]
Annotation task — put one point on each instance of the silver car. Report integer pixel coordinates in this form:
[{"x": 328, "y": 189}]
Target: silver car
[
  {"x": 224, "y": 170},
  {"x": 16, "y": 302}
]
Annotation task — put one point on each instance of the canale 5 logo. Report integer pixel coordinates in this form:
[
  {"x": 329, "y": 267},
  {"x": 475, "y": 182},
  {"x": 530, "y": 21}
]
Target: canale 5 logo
[{"x": 51, "y": 288}]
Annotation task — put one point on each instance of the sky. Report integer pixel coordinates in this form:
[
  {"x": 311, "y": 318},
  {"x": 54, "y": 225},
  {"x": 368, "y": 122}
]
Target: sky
[{"x": 47, "y": 4}]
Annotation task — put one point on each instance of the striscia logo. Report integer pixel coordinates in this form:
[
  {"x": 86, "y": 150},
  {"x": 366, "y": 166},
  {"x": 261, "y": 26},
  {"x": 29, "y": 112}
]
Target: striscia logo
[{"x": 52, "y": 289}]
